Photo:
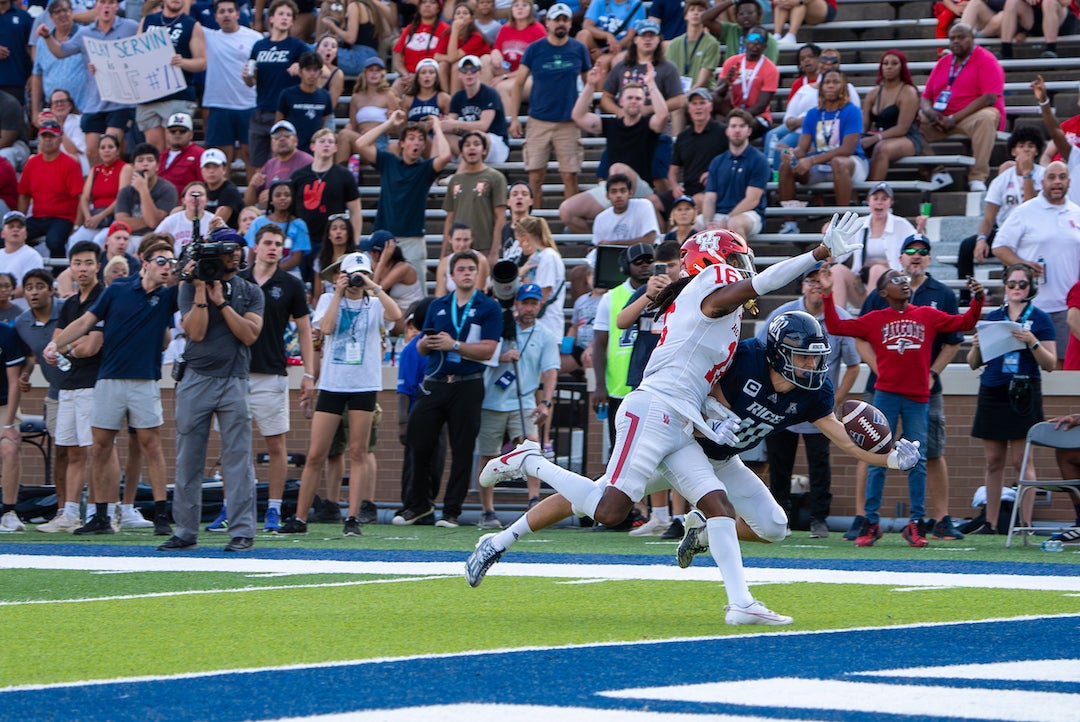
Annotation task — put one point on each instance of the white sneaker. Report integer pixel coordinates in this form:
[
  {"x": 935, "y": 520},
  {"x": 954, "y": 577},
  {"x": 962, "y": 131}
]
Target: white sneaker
[
  {"x": 787, "y": 41},
  {"x": 132, "y": 518},
  {"x": 941, "y": 180},
  {"x": 508, "y": 466},
  {"x": 10, "y": 522},
  {"x": 977, "y": 187},
  {"x": 59, "y": 523},
  {"x": 789, "y": 228},
  {"x": 653, "y": 527},
  {"x": 754, "y": 613}
]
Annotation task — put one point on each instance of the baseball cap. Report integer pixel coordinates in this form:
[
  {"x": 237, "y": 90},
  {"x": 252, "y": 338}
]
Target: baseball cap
[
  {"x": 118, "y": 226},
  {"x": 648, "y": 26},
  {"x": 212, "y": 156},
  {"x": 427, "y": 63},
  {"x": 374, "y": 60},
  {"x": 639, "y": 250},
  {"x": 349, "y": 263},
  {"x": 813, "y": 271},
  {"x": 683, "y": 199},
  {"x": 50, "y": 127},
  {"x": 530, "y": 290},
  {"x": 14, "y": 217},
  {"x": 560, "y": 10},
  {"x": 376, "y": 241},
  {"x": 469, "y": 60},
  {"x": 914, "y": 238},
  {"x": 699, "y": 93},
  {"x": 283, "y": 125},
  {"x": 180, "y": 120},
  {"x": 881, "y": 187}
]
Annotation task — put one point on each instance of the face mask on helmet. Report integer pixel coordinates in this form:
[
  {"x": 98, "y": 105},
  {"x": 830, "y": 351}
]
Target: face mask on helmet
[
  {"x": 797, "y": 333},
  {"x": 706, "y": 248}
]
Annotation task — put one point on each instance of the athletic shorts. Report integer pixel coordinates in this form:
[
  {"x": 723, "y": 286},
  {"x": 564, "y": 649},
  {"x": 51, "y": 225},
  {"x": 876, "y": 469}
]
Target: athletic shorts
[
  {"x": 73, "y": 418},
  {"x": 101, "y": 122},
  {"x": 543, "y": 137},
  {"x": 822, "y": 172},
  {"x": 335, "y": 402},
  {"x": 269, "y": 403},
  {"x": 227, "y": 127},
  {"x": 139, "y": 400},
  {"x": 496, "y": 425}
]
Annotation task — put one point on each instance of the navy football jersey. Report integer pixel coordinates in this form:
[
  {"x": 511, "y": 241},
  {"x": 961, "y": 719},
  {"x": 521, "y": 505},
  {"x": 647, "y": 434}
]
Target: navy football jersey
[{"x": 747, "y": 387}]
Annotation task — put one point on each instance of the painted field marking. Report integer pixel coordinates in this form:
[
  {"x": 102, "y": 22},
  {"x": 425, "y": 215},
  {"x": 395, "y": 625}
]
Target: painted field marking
[
  {"x": 1037, "y": 670},
  {"x": 521, "y": 713}
]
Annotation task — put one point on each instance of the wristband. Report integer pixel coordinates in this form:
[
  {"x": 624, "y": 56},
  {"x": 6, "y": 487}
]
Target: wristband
[
  {"x": 1029, "y": 176},
  {"x": 221, "y": 306},
  {"x": 12, "y": 426},
  {"x": 1044, "y": 103},
  {"x": 1034, "y": 346},
  {"x": 981, "y": 237},
  {"x": 546, "y": 403},
  {"x": 309, "y": 376}
]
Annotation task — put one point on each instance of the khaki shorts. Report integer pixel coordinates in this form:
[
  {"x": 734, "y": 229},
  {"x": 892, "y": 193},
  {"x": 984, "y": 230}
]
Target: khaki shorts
[
  {"x": 495, "y": 425},
  {"x": 269, "y": 403},
  {"x": 541, "y": 137},
  {"x": 51, "y": 410},
  {"x": 156, "y": 114},
  {"x": 139, "y": 400},
  {"x": 76, "y": 406},
  {"x": 340, "y": 444}
]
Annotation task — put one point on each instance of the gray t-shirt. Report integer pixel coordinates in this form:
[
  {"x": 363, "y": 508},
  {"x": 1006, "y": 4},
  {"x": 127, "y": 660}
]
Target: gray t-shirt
[
  {"x": 220, "y": 353},
  {"x": 667, "y": 79},
  {"x": 164, "y": 194},
  {"x": 35, "y": 337}
]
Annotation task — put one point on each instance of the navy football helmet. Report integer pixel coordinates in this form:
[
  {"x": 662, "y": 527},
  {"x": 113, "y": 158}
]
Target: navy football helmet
[{"x": 797, "y": 332}]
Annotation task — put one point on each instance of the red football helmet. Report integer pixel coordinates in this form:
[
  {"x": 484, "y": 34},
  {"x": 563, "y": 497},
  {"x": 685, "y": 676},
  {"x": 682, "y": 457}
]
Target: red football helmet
[{"x": 705, "y": 248}]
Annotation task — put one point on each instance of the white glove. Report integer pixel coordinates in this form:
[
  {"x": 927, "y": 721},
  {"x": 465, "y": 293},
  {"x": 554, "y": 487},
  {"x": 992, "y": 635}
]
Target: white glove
[
  {"x": 838, "y": 237},
  {"x": 716, "y": 411},
  {"x": 727, "y": 431},
  {"x": 904, "y": 455}
]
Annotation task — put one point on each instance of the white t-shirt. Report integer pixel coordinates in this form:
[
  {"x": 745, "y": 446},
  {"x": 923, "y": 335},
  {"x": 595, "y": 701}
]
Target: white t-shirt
[
  {"x": 551, "y": 273},
  {"x": 17, "y": 264},
  {"x": 73, "y": 132},
  {"x": 806, "y": 97},
  {"x": 1007, "y": 191},
  {"x": 228, "y": 52},
  {"x": 639, "y": 219},
  {"x": 352, "y": 355},
  {"x": 1039, "y": 231},
  {"x": 885, "y": 247},
  {"x": 179, "y": 226}
]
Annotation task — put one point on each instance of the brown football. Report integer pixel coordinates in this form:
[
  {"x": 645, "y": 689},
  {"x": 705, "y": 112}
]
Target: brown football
[{"x": 867, "y": 426}]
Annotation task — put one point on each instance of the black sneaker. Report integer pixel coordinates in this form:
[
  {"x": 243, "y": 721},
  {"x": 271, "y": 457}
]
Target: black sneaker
[
  {"x": 239, "y": 544},
  {"x": 161, "y": 525},
  {"x": 983, "y": 528},
  {"x": 175, "y": 544},
  {"x": 408, "y": 517},
  {"x": 369, "y": 513},
  {"x": 326, "y": 511},
  {"x": 675, "y": 531},
  {"x": 99, "y": 524},
  {"x": 293, "y": 526},
  {"x": 352, "y": 526}
]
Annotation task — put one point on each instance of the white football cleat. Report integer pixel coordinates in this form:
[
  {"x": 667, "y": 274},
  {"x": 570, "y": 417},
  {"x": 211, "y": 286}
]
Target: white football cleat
[
  {"x": 754, "y": 613},
  {"x": 508, "y": 466}
]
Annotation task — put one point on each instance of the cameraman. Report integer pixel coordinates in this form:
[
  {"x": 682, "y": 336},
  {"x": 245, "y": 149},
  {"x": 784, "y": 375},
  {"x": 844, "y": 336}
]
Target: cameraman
[{"x": 221, "y": 318}]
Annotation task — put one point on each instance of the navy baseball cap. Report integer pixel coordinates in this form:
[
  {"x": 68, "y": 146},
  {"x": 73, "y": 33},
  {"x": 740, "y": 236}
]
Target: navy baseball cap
[
  {"x": 912, "y": 239},
  {"x": 376, "y": 241}
]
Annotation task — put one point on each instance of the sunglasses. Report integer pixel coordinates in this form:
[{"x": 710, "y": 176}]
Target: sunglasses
[
  {"x": 1022, "y": 285},
  {"x": 179, "y": 130},
  {"x": 916, "y": 251},
  {"x": 338, "y": 217},
  {"x": 900, "y": 280},
  {"x": 755, "y": 38},
  {"x": 162, "y": 261},
  {"x": 830, "y": 58}
]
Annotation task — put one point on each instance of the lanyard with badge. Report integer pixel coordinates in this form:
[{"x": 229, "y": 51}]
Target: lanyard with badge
[
  {"x": 454, "y": 356},
  {"x": 746, "y": 82},
  {"x": 508, "y": 376},
  {"x": 942, "y": 101},
  {"x": 688, "y": 55},
  {"x": 1010, "y": 364}
]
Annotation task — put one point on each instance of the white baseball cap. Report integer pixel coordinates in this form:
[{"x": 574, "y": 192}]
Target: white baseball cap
[{"x": 212, "y": 156}]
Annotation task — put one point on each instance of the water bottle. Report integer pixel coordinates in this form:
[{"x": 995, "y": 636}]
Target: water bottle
[
  {"x": 354, "y": 167},
  {"x": 601, "y": 411},
  {"x": 1046, "y": 271},
  {"x": 1053, "y": 545},
  {"x": 63, "y": 362}
]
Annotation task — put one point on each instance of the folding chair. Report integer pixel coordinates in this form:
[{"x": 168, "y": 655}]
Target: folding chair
[{"x": 1043, "y": 434}]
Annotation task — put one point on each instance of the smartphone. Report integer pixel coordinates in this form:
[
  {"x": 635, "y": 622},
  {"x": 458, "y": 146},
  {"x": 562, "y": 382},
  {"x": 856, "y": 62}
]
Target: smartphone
[
  {"x": 430, "y": 332},
  {"x": 659, "y": 269}
]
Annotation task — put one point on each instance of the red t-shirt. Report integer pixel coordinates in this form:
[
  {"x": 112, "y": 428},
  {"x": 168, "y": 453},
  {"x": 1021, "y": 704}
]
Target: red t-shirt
[
  {"x": 421, "y": 44},
  {"x": 511, "y": 42},
  {"x": 473, "y": 45},
  {"x": 975, "y": 77},
  {"x": 903, "y": 342},
  {"x": 53, "y": 186},
  {"x": 766, "y": 79},
  {"x": 1072, "y": 351},
  {"x": 185, "y": 167},
  {"x": 9, "y": 184}
]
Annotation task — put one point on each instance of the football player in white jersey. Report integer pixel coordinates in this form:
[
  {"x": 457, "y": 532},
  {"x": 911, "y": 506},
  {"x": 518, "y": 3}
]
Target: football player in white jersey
[{"x": 656, "y": 422}]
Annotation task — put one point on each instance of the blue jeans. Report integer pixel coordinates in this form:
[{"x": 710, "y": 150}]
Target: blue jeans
[{"x": 916, "y": 418}]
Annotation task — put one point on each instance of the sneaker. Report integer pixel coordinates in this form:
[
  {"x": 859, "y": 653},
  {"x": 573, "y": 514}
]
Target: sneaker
[
  {"x": 447, "y": 522},
  {"x": 983, "y": 528},
  {"x": 1049, "y": 54},
  {"x": 162, "y": 526},
  {"x": 941, "y": 180},
  {"x": 488, "y": 520},
  {"x": 653, "y": 527},
  {"x": 870, "y": 533},
  {"x": 240, "y": 544},
  {"x": 326, "y": 511},
  {"x": 273, "y": 520},
  {"x": 352, "y": 527},
  {"x": 788, "y": 40},
  {"x": 220, "y": 522},
  {"x": 754, "y": 613},
  {"x": 369, "y": 513},
  {"x": 175, "y": 544},
  {"x": 549, "y": 452},
  {"x": 696, "y": 540},
  {"x": 408, "y": 517},
  {"x": 818, "y": 529},
  {"x": 675, "y": 531},
  {"x": 478, "y": 563},
  {"x": 132, "y": 518},
  {"x": 508, "y": 466},
  {"x": 945, "y": 529},
  {"x": 1069, "y": 537},
  {"x": 913, "y": 536},
  {"x": 97, "y": 525},
  {"x": 789, "y": 228},
  {"x": 533, "y": 501},
  {"x": 11, "y": 522},
  {"x": 977, "y": 186},
  {"x": 59, "y": 523},
  {"x": 293, "y": 526},
  {"x": 856, "y": 528}
]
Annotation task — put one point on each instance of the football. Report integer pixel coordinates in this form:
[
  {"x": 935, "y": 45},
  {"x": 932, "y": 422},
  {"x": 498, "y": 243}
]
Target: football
[{"x": 867, "y": 427}]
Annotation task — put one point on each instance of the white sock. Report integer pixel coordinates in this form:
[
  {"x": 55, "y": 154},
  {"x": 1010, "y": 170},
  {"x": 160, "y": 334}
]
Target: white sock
[
  {"x": 71, "y": 509},
  {"x": 127, "y": 508},
  {"x": 679, "y": 518},
  {"x": 582, "y": 492},
  {"x": 111, "y": 510},
  {"x": 724, "y": 547},
  {"x": 505, "y": 539},
  {"x": 274, "y": 504},
  {"x": 662, "y": 514}
]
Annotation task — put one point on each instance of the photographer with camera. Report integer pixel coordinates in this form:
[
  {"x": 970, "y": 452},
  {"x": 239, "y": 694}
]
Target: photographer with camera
[{"x": 222, "y": 316}]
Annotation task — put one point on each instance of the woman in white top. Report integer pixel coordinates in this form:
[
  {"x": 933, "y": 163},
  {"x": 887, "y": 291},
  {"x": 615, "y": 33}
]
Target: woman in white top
[
  {"x": 544, "y": 267},
  {"x": 372, "y": 102},
  {"x": 351, "y": 321},
  {"x": 179, "y": 225}
]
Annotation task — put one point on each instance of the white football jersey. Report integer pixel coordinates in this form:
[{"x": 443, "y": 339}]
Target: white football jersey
[{"x": 694, "y": 350}]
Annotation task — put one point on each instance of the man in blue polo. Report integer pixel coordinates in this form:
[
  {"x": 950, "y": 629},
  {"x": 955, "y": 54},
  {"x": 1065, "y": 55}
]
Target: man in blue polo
[
  {"x": 461, "y": 333},
  {"x": 136, "y": 312}
]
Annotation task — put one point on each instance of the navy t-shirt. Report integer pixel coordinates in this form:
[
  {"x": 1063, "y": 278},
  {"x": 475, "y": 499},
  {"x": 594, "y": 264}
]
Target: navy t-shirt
[
  {"x": 1040, "y": 325},
  {"x": 271, "y": 73},
  {"x": 480, "y": 322},
  {"x": 486, "y": 98},
  {"x": 306, "y": 111},
  {"x": 555, "y": 71},
  {"x": 731, "y": 175},
  {"x": 403, "y": 196},
  {"x": 135, "y": 323},
  {"x": 180, "y": 30},
  {"x": 11, "y": 354},
  {"x": 747, "y": 387}
]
